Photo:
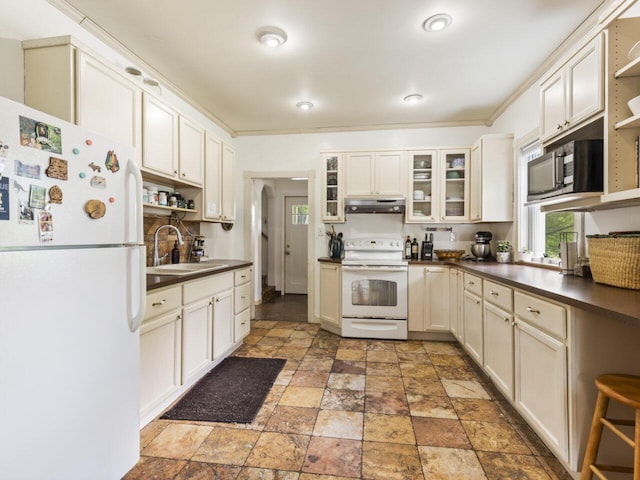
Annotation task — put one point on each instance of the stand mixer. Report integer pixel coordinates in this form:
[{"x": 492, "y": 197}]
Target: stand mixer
[{"x": 482, "y": 248}]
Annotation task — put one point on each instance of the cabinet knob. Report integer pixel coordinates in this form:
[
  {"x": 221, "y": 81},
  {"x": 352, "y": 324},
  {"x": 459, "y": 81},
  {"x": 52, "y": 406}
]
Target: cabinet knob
[
  {"x": 559, "y": 127},
  {"x": 184, "y": 174},
  {"x": 175, "y": 172},
  {"x": 157, "y": 304},
  {"x": 477, "y": 302},
  {"x": 506, "y": 320},
  {"x": 495, "y": 294},
  {"x": 566, "y": 123},
  {"x": 533, "y": 310},
  {"x": 471, "y": 283},
  {"x": 217, "y": 299}
]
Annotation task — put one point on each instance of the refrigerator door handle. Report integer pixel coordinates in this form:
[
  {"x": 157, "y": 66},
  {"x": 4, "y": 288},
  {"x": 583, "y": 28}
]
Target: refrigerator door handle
[
  {"x": 136, "y": 286},
  {"x": 134, "y": 225}
]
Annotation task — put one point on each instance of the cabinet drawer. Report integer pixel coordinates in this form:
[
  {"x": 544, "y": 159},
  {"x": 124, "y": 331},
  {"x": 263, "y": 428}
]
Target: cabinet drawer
[
  {"x": 162, "y": 301},
  {"x": 242, "y": 276},
  {"x": 242, "y": 325},
  {"x": 473, "y": 284},
  {"x": 499, "y": 295},
  {"x": 242, "y": 297},
  {"x": 206, "y": 287},
  {"x": 541, "y": 313}
]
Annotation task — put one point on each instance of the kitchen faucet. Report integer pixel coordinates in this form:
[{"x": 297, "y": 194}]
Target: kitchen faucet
[{"x": 156, "y": 258}]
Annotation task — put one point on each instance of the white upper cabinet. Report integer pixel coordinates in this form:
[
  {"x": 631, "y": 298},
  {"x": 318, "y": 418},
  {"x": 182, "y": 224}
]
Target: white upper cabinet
[
  {"x": 372, "y": 174},
  {"x": 574, "y": 93},
  {"x": 438, "y": 186},
  {"x": 491, "y": 172},
  {"x": 70, "y": 84},
  {"x": 160, "y": 137},
  {"x": 218, "y": 202},
  {"x": 332, "y": 185},
  {"x": 228, "y": 198},
  {"x": 191, "y": 148}
]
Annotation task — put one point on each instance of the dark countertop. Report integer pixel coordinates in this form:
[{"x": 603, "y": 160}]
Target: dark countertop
[
  {"x": 159, "y": 281},
  {"x": 613, "y": 302}
]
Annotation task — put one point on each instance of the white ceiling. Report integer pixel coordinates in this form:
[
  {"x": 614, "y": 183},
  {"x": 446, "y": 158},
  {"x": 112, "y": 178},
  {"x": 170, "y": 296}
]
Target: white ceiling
[{"x": 354, "y": 59}]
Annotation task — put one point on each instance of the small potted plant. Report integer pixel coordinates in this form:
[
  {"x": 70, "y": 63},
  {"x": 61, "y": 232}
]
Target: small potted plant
[
  {"x": 503, "y": 251},
  {"x": 524, "y": 255}
]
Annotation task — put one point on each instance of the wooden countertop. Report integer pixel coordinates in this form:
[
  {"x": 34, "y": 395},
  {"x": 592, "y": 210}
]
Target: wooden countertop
[
  {"x": 617, "y": 303},
  {"x": 159, "y": 281}
]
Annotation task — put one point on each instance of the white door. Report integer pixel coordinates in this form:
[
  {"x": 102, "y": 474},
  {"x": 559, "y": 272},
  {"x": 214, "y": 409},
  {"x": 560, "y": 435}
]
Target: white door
[{"x": 295, "y": 244}]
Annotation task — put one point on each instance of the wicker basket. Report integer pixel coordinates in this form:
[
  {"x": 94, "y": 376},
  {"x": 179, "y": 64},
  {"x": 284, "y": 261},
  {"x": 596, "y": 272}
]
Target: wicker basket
[{"x": 615, "y": 259}]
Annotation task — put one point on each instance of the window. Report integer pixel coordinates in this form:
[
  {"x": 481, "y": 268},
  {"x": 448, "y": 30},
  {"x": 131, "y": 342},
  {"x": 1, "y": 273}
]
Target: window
[
  {"x": 299, "y": 214},
  {"x": 540, "y": 232}
]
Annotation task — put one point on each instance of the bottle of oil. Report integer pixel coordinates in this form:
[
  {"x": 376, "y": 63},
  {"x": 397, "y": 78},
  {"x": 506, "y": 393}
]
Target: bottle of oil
[
  {"x": 414, "y": 249},
  {"x": 407, "y": 248}
]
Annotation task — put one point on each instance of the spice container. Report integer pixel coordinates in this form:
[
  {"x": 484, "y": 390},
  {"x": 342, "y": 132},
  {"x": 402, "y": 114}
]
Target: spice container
[
  {"x": 153, "y": 195},
  {"x": 163, "y": 199},
  {"x": 173, "y": 201}
]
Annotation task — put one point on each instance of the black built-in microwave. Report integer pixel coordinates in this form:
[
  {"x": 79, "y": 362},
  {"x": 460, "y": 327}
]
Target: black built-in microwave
[{"x": 574, "y": 167}]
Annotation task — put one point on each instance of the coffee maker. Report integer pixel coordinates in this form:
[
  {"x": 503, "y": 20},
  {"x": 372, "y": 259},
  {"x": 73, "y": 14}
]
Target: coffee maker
[{"x": 482, "y": 248}]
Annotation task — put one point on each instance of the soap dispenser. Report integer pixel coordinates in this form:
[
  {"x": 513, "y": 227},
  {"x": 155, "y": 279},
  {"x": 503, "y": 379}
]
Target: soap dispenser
[{"x": 175, "y": 253}]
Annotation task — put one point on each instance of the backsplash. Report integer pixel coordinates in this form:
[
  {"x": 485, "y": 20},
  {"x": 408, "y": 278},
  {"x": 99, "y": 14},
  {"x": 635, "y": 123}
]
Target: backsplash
[{"x": 167, "y": 237}]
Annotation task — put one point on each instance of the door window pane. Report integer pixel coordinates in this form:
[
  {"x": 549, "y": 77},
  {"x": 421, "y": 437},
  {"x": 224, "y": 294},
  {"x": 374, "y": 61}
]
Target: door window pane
[{"x": 300, "y": 214}]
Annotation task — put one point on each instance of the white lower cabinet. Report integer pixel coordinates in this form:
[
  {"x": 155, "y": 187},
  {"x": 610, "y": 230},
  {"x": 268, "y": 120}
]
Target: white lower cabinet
[
  {"x": 330, "y": 295},
  {"x": 188, "y": 328},
  {"x": 160, "y": 349},
  {"x": 242, "y": 303},
  {"x": 196, "y": 338},
  {"x": 541, "y": 371},
  {"x": 498, "y": 347},
  {"x": 429, "y": 299},
  {"x": 456, "y": 294},
  {"x": 473, "y": 332},
  {"x": 498, "y": 335},
  {"x": 223, "y": 323}
]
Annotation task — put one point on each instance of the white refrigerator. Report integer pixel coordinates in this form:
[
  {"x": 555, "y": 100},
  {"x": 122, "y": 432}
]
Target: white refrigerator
[{"x": 72, "y": 289}]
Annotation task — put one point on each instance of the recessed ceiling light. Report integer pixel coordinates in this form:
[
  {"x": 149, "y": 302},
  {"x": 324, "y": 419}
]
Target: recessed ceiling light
[
  {"x": 272, "y": 36},
  {"x": 304, "y": 105},
  {"x": 413, "y": 98},
  {"x": 437, "y": 22}
]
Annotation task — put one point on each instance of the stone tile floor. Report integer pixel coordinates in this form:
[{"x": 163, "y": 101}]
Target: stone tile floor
[{"x": 352, "y": 408}]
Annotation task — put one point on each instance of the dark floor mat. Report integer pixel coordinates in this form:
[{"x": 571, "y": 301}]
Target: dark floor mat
[{"x": 232, "y": 392}]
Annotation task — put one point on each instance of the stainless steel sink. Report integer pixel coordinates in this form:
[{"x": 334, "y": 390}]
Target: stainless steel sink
[{"x": 184, "y": 268}]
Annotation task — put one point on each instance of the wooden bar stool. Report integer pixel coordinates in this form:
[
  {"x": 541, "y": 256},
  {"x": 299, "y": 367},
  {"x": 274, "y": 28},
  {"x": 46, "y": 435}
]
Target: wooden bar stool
[{"x": 624, "y": 389}]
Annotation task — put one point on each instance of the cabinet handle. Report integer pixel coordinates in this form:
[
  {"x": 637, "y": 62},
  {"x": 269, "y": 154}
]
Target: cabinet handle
[
  {"x": 559, "y": 127},
  {"x": 217, "y": 299},
  {"x": 243, "y": 276},
  {"x": 175, "y": 172},
  {"x": 506, "y": 320},
  {"x": 477, "y": 302},
  {"x": 566, "y": 123},
  {"x": 157, "y": 304},
  {"x": 184, "y": 174},
  {"x": 495, "y": 294},
  {"x": 533, "y": 310},
  {"x": 179, "y": 317},
  {"x": 469, "y": 282},
  {"x": 243, "y": 296}
]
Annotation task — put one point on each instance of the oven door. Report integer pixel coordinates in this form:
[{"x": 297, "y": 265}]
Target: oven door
[{"x": 374, "y": 292}]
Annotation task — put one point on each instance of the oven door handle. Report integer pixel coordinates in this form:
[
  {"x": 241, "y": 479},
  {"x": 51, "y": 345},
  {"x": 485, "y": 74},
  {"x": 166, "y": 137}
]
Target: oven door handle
[{"x": 374, "y": 269}]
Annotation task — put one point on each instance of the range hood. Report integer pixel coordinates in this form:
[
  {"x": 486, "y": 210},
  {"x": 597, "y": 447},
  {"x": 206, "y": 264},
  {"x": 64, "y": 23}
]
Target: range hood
[{"x": 374, "y": 205}]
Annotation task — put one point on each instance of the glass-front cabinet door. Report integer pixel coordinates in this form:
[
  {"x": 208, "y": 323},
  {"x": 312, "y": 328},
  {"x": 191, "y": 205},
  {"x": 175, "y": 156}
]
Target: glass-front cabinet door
[
  {"x": 455, "y": 192},
  {"x": 439, "y": 189},
  {"x": 332, "y": 188},
  {"x": 423, "y": 193}
]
